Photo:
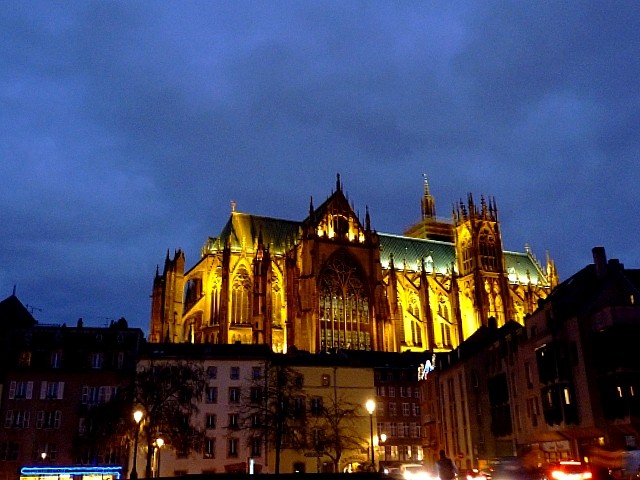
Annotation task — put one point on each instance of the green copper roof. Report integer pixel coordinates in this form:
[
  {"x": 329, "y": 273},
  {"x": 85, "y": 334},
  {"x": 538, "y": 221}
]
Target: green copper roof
[
  {"x": 411, "y": 252},
  {"x": 408, "y": 253},
  {"x": 523, "y": 268},
  {"x": 244, "y": 229}
]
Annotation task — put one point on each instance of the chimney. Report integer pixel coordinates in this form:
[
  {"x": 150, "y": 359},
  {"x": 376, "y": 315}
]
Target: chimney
[{"x": 600, "y": 261}]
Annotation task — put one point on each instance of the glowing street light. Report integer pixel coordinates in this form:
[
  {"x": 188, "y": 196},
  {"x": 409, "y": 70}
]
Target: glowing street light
[
  {"x": 371, "y": 407},
  {"x": 159, "y": 445},
  {"x": 137, "y": 416},
  {"x": 381, "y": 442}
]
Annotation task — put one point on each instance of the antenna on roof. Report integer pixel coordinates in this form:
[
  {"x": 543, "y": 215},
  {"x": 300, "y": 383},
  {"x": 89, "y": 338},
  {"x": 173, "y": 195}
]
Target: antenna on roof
[{"x": 31, "y": 308}]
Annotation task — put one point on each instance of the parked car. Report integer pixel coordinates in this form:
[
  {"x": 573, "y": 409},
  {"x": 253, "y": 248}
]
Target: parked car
[
  {"x": 474, "y": 474},
  {"x": 568, "y": 470},
  {"x": 415, "y": 471}
]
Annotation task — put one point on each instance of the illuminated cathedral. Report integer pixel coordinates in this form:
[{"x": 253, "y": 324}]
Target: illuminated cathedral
[{"x": 330, "y": 281}]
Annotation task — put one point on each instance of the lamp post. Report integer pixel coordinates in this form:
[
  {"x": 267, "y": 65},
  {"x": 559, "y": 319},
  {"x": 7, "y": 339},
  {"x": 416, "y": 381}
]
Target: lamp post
[
  {"x": 137, "y": 416},
  {"x": 371, "y": 407},
  {"x": 159, "y": 444}
]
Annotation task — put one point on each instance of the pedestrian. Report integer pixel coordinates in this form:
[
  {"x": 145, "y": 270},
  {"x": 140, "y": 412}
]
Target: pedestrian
[{"x": 446, "y": 469}]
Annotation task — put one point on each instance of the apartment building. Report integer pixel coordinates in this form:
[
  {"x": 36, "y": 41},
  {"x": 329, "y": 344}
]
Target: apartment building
[{"x": 53, "y": 375}]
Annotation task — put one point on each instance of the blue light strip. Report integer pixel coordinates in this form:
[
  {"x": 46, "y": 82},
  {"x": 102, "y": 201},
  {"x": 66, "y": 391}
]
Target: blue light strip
[{"x": 40, "y": 471}]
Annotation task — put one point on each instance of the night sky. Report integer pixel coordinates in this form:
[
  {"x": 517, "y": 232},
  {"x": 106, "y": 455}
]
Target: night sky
[{"x": 127, "y": 128}]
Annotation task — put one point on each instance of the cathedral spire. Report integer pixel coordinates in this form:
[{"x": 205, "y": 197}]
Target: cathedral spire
[
  {"x": 367, "y": 219},
  {"x": 338, "y": 184},
  {"x": 428, "y": 203}
]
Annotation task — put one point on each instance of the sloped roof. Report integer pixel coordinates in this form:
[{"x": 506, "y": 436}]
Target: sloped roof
[
  {"x": 522, "y": 268},
  {"x": 411, "y": 251},
  {"x": 243, "y": 229},
  {"x": 583, "y": 289},
  {"x": 13, "y": 314}
]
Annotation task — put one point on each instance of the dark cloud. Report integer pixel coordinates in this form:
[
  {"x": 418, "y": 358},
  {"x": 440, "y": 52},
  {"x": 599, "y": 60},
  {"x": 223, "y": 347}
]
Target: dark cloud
[{"x": 128, "y": 127}]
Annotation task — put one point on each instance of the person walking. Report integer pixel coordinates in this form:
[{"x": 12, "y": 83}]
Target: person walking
[{"x": 446, "y": 469}]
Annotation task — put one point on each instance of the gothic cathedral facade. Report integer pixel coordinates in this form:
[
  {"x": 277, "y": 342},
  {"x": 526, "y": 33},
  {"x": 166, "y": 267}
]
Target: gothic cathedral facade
[{"x": 332, "y": 282}]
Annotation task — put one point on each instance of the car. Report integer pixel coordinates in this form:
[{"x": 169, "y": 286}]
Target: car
[
  {"x": 414, "y": 471},
  {"x": 474, "y": 474},
  {"x": 568, "y": 470}
]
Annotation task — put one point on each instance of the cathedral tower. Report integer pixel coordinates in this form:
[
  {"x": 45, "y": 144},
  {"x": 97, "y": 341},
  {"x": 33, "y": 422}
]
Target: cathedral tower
[
  {"x": 167, "y": 301},
  {"x": 483, "y": 280}
]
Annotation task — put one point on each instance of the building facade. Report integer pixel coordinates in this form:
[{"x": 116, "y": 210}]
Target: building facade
[
  {"x": 563, "y": 386},
  {"x": 326, "y": 428},
  {"x": 331, "y": 281},
  {"x": 53, "y": 377},
  {"x": 227, "y": 446}
]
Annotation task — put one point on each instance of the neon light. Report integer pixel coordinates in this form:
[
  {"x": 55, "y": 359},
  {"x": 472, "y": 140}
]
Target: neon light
[
  {"x": 116, "y": 471},
  {"x": 426, "y": 367}
]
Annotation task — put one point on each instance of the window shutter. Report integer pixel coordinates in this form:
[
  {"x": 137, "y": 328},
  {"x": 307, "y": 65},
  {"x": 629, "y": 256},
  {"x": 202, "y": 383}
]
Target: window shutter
[
  {"x": 43, "y": 390},
  {"x": 27, "y": 415},
  {"x": 57, "y": 419},
  {"x": 12, "y": 390},
  {"x": 60, "y": 390},
  {"x": 29, "y": 390}
]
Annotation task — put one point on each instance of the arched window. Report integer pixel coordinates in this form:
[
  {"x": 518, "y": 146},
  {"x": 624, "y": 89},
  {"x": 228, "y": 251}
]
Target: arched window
[
  {"x": 214, "y": 318},
  {"x": 467, "y": 254},
  {"x": 276, "y": 307},
  {"x": 344, "y": 305},
  {"x": 240, "y": 297},
  {"x": 414, "y": 306},
  {"x": 416, "y": 331},
  {"x": 488, "y": 251}
]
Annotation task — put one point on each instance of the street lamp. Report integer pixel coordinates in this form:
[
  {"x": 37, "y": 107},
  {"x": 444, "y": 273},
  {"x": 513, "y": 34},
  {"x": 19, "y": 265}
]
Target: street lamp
[
  {"x": 137, "y": 416},
  {"x": 159, "y": 444},
  {"x": 381, "y": 442},
  {"x": 371, "y": 407}
]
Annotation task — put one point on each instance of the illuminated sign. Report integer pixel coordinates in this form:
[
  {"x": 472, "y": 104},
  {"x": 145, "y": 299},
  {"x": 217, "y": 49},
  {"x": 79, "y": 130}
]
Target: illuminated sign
[
  {"x": 426, "y": 367},
  {"x": 67, "y": 473}
]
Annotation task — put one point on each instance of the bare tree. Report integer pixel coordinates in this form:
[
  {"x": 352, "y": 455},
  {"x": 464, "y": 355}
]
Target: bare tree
[
  {"x": 274, "y": 409},
  {"x": 168, "y": 393},
  {"x": 335, "y": 429}
]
